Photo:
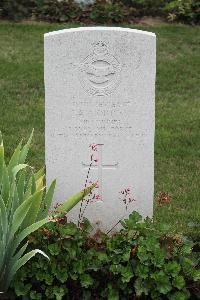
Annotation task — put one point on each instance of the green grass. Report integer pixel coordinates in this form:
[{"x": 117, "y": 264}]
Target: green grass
[{"x": 177, "y": 144}]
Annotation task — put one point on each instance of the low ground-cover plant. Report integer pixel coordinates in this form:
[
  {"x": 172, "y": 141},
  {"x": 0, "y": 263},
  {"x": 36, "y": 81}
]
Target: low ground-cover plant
[
  {"x": 142, "y": 261},
  {"x": 24, "y": 206}
]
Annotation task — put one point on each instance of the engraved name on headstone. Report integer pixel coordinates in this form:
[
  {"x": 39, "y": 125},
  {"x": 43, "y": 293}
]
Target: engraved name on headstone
[{"x": 100, "y": 89}]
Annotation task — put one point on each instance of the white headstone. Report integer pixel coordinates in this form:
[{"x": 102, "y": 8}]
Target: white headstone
[{"x": 100, "y": 89}]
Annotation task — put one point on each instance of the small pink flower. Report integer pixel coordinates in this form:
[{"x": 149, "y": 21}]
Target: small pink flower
[
  {"x": 98, "y": 197},
  {"x": 97, "y": 185},
  {"x": 56, "y": 205},
  {"x": 126, "y": 198},
  {"x": 94, "y": 147}
]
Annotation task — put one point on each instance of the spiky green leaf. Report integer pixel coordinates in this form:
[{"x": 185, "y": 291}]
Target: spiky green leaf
[
  {"x": 32, "y": 214},
  {"x": 47, "y": 201},
  {"x": 20, "y": 215},
  {"x": 67, "y": 205},
  {"x": 25, "y": 149},
  {"x": 5, "y": 192},
  {"x": 14, "y": 159},
  {"x": 20, "y": 262},
  {"x": 1, "y": 158}
]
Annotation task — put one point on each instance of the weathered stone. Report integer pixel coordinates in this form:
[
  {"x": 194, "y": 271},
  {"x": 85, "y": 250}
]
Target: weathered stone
[{"x": 100, "y": 89}]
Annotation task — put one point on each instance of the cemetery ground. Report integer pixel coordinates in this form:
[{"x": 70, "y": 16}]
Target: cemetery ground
[{"x": 177, "y": 141}]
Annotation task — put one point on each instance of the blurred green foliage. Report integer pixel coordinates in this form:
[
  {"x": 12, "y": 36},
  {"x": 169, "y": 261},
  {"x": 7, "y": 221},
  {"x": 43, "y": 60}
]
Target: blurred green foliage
[{"x": 101, "y": 11}]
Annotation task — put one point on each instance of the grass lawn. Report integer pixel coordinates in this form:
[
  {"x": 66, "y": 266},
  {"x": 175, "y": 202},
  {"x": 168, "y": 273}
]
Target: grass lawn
[{"x": 177, "y": 144}]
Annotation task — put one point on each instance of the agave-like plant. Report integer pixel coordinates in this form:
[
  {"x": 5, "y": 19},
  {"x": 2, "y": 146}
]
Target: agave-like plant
[{"x": 24, "y": 206}]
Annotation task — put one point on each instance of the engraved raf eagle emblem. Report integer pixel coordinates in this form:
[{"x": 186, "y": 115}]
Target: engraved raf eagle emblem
[
  {"x": 100, "y": 71},
  {"x": 100, "y": 74}
]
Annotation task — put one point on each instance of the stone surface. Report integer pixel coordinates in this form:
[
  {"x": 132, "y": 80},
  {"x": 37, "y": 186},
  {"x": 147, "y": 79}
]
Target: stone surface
[
  {"x": 84, "y": 2},
  {"x": 100, "y": 89}
]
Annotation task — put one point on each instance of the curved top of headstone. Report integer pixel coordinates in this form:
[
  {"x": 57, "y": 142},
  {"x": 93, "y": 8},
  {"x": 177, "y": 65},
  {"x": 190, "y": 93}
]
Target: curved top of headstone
[{"x": 99, "y": 28}]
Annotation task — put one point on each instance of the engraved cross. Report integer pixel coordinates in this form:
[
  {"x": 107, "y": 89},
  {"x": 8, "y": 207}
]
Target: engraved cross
[{"x": 100, "y": 167}]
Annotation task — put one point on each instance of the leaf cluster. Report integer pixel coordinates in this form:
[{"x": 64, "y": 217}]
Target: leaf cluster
[{"x": 142, "y": 261}]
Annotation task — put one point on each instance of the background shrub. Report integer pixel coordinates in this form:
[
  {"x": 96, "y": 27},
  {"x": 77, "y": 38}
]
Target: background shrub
[
  {"x": 147, "y": 7},
  {"x": 185, "y": 10},
  {"x": 57, "y": 11},
  {"x": 100, "y": 11},
  {"x": 107, "y": 12},
  {"x": 17, "y": 9}
]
